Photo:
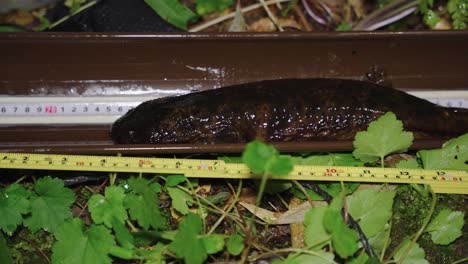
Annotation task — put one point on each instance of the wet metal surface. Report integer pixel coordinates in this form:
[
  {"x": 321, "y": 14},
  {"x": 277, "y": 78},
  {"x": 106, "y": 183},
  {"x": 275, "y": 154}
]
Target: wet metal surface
[{"x": 70, "y": 64}]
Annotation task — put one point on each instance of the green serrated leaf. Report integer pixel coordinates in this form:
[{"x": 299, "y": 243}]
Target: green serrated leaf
[
  {"x": 337, "y": 202},
  {"x": 331, "y": 220},
  {"x": 173, "y": 12},
  {"x": 314, "y": 232},
  {"x": 174, "y": 180},
  {"x": 371, "y": 208},
  {"x": 332, "y": 189},
  {"x": 122, "y": 234},
  {"x": 311, "y": 257},
  {"x": 408, "y": 164},
  {"x": 155, "y": 255},
  {"x": 143, "y": 205},
  {"x": 235, "y": 244},
  {"x": 446, "y": 226},
  {"x": 373, "y": 260},
  {"x": 431, "y": 18},
  {"x": 257, "y": 155},
  {"x": 378, "y": 241},
  {"x": 361, "y": 259},
  {"x": 5, "y": 255},
  {"x": 213, "y": 243},
  {"x": 344, "y": 240},
  {"x": 280, "y": 166},
  {"x": 186, "y": 243},
  {"x": 76, "y": 246},
  {"x": 50, "y": 205},
  {"x": 180, "y": 200},
  {"x": 344, "y": 27},
  {"x": 209, "y": 6},
  {"x": 156, "y": 187},
  {"x": 14, "y": 204},
  {"x": 109, "y": 208},
  {"x": 416, "y": 254},
  {"x": 383, "y": 136},
  {"x": 452, "y": 156},
  {"x": 459, "y": 12},
  {"x": 332, "y": 159}
]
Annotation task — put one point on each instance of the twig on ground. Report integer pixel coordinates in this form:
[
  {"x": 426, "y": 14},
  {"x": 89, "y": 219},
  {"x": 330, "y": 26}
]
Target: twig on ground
[
  {"x": 271, "y": 16},
  {"x": 302, "y": 18}
]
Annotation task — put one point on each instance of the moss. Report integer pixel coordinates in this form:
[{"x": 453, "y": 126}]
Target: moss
[
  {"x": 409, "y": 212},
  {"x": 26, "y": 246}
]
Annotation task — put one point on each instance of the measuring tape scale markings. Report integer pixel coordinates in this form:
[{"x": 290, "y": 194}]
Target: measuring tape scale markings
[
  {"x": 106, "y": 109},
  {"x": 442, "y": 181}
]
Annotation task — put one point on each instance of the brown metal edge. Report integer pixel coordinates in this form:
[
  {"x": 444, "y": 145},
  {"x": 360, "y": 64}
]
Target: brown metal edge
[
  {"x": 90, "y": 140},
  {"x": 86, "y": 36},
  {"x": 110, "y": 149}
]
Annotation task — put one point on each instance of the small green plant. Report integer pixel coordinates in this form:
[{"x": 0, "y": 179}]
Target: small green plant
[
  {"x": 383, "y": 136},
  {"x": 153, "y": 220},
  {"x": 265, "y": 160},
  {"x": 459, "y": 11},
  {"x": 209, "y": 6}
]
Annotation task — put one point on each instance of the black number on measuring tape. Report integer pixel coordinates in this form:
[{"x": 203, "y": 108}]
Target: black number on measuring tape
[
  {"x": 27, "y": 109},
  {"x": 39, "y": 109},
  {"x": 441, "y": 173},
  {"x": 108, "y": 109},
  {"x": 3, "y": 110},
  {"x": 97, "y": 109},
  {"x": 85, "y": 109},
  {"x": 120, "y": 109},
  {"x": 404, "y": 173},
  {"x": 15, "y": 109},
  {"x": 366, "y": 171},
  {"x": 73, "y": 109}
]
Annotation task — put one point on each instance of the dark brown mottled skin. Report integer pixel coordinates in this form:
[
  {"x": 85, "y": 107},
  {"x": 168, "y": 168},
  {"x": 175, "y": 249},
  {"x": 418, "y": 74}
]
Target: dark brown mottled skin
[{"x": 282, "y": 110}]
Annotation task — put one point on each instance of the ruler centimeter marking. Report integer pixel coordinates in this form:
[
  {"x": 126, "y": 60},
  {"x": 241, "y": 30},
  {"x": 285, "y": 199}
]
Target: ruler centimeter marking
[
  {"x": 442, "y": 181},
  {"x": 106, "y": 109}
]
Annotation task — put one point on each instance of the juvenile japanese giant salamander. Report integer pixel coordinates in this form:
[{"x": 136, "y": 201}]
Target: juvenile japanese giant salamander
[{"x": 282, "y": 110}]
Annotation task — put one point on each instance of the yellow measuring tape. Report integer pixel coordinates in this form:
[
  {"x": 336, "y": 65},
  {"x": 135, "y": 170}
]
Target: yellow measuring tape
[{"x": 442, "y": 181}]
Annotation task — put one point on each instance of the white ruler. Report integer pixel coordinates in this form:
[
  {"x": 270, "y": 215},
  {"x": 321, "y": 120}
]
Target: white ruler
[{"x": 16, "y": 110}]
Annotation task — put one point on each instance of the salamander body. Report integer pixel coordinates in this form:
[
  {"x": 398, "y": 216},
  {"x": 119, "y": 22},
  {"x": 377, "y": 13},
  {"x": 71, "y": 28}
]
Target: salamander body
[{"x": 280, "y": 111}]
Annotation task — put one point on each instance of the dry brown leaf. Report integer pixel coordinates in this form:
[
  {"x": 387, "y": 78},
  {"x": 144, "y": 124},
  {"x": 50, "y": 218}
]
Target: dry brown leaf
[
  {"x": 18, "y": 17},
  {"x": 267, "y": 216},
  {"x": 248, "y": 195},
  {"x": 443, "y": 24},
  {"x": 358, "y": 7},
  {"x": 203, "y": 190},
  {"x": 174, "y": 214},
  {"x": 238, "y": 23},
  {"x": 266, "y": 25},
  {"x": 393, "y": 159},
  {"x": 293, "y": 215}
]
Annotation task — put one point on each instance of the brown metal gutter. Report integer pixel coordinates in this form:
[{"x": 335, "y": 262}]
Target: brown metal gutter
[{"x": 59, "y": 64}]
